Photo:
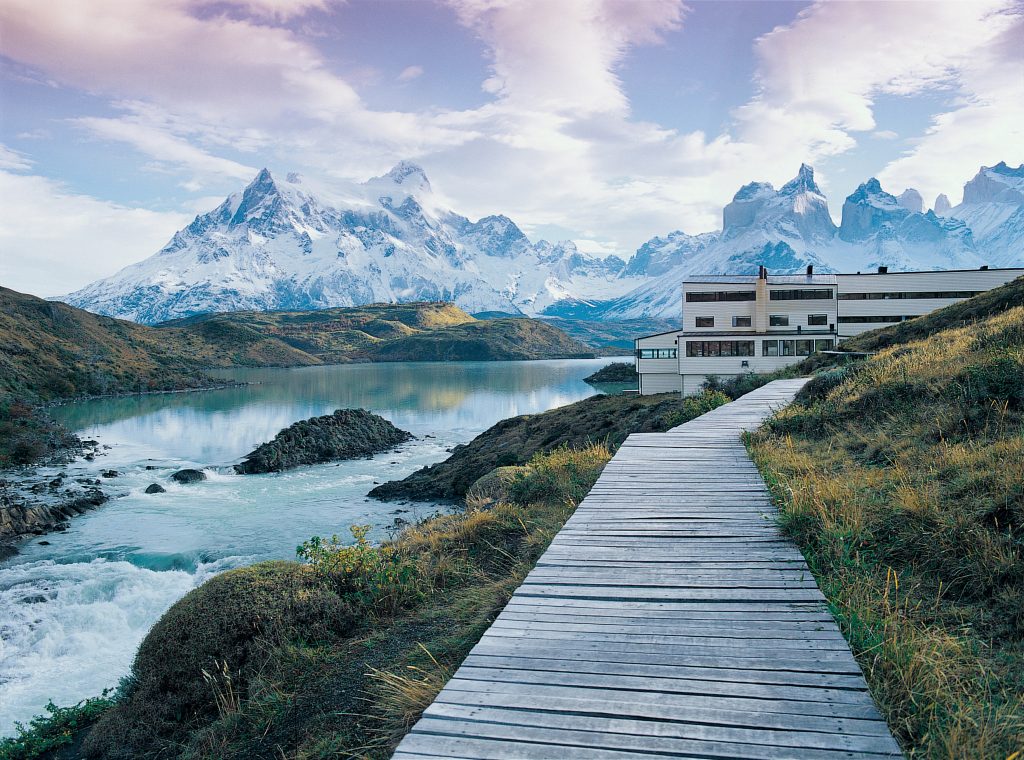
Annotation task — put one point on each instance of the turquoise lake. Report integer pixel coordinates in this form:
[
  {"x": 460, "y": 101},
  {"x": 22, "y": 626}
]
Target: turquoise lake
[{"x": 74, "y": 609}]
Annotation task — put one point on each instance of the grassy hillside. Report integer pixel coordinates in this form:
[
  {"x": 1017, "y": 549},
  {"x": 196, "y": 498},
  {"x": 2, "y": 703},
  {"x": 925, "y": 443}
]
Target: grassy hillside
[
  {"x": 395, "y": 332},
  {"x": 901, "y": 476},
  {"x": 612, "y": 337},
  {"x": 52, "y": 350}
]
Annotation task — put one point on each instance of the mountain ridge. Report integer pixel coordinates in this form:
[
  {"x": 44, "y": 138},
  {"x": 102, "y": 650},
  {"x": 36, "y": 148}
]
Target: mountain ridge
[{"x": 278, "y": 245}]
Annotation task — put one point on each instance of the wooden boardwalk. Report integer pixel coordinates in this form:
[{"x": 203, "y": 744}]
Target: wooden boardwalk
[{"x": 668, "y": 618}]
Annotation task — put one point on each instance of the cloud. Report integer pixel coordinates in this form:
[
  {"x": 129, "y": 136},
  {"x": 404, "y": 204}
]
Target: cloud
[
  {"x": 819, "y": 77},
  {"x": 409, "y": 73},
  {"x": 561, "y": 57},
  {"x": 985, "y": 126},
  {"x": 53, "y": 240},
  {"x": 165, "y": 148},
  {"x": 13, "y": 160},
  {"x": 556, "y": 145}
]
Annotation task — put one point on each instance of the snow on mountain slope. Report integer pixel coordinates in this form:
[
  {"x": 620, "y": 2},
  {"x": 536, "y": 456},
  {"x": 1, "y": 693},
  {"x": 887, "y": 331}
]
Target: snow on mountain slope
[
  {"x": 993, "y": 207},
  {"x": 283, "y": 245},
  {"x": 276, "y": 245},
  {"x": 788, "y": 229}
]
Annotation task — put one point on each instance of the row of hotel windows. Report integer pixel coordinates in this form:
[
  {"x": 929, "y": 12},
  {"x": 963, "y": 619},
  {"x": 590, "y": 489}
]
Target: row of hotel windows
[
  {"x": 705, "y": 348},
  {"x": 751, "y": 295},
  {"x": 774, "y": 320},
  {"x": 909, "y": 294},
  {"x": 825, "y": 293}
]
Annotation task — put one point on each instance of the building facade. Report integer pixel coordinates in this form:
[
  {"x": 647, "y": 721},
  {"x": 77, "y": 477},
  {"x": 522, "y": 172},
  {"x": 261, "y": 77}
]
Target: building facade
[{"x": 734, "y": 324}]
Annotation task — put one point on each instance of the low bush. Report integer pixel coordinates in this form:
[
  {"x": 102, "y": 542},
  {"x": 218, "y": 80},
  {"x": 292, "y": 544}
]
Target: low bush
[{"x": 57, "y": 729}]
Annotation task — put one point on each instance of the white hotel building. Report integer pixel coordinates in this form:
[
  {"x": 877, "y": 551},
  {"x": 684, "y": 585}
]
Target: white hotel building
[{"x": 734, "y": 324}]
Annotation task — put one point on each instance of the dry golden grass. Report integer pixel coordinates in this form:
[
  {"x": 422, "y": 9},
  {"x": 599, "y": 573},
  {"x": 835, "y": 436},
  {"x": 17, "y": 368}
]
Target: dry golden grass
[{"x": 902, "y": 479}]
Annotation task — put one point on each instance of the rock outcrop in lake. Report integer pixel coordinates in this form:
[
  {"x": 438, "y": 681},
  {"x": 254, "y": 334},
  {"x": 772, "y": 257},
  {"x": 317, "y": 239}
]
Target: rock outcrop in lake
[
  {"x": 617, "y": 372},
  {"x": 188, "y": 476},
  {"x": 346, "y": 434}
]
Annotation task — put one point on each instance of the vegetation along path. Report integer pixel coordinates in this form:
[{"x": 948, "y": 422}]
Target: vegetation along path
[{"x": 668, "y": 618}]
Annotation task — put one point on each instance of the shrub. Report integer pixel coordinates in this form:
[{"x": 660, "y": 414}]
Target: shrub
[
  {"x": 563, "y": 476},
  {"x": 56, "y": 729},
  {"x": 695, "y": 406},
  {"x": 378, "y": 579},
  {"x": 226, "y": 625}
]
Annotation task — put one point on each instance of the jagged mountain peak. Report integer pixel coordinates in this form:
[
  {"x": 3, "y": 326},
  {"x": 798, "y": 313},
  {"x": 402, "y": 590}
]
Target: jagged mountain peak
[
  {"x": 408, "y": 173},
  {"x": 942, "y": 204},
  {"x": 1006, "y": 170},
  {"x": 798, "y": 209},
  {"x": 911, "y": 200},
  {"x": 803, "y": 182}
]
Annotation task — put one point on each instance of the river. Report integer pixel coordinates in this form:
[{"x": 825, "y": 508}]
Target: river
[{"x": 75, "y": 605}]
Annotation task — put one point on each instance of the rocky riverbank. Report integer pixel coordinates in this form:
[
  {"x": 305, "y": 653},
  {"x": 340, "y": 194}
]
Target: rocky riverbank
[
  {"x": 346, "y": 434},
  {"x": 33, "y": 503}
]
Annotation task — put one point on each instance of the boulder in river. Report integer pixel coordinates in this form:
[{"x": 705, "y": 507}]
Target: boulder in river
[
  {"x": 155, "y": 488},
  {"x": 346, "y": 434},
  {"x": 188, "y": 476}
]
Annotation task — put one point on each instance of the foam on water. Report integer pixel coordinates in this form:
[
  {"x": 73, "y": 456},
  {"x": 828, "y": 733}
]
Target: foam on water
[{"x": 68, "y": 628}]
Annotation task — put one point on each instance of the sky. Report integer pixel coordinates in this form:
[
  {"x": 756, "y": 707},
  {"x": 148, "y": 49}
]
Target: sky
[{"x": 602, "y": 121}]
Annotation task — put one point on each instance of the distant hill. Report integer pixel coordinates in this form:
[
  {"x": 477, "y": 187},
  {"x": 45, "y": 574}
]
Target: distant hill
[
  {"x": 424, "y": 331},
  {"x": 50, "y": 350}
]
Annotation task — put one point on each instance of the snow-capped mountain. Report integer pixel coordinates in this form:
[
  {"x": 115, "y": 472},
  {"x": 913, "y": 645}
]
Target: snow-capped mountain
[
  {"x": 277, "y": 245},
  {"x": 788, "y": 229},
  {"x": 993, "y": 208},
  {"x": 282, "y": 245}
]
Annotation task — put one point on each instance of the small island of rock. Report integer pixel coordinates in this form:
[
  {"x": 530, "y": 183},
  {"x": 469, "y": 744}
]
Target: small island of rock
[
  {"x": 617, "y": 372},
  {"x": 346, "y": 434}
]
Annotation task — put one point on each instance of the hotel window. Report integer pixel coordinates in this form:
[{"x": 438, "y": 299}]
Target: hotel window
[
  {"x": 878, "y": 319},
  {"x": 897, "y": 295},
  {"x": 769, "y": 348},
  {"x": 824, "y": 345},
  {"x": 800, "y": 295},
  {"x": 657, "y": 353},
  {"x": 817, "y": 319},
  {"x": 788, "y": 349},
  {"x": 778, "y": 320},
  {"x": 804, "y": 347},
  {"x": 741, "y": 321},
  {"x": 705, "y": 321},
  {"x": 704, "y": 348},
  {"x": 722, "y": 295}
]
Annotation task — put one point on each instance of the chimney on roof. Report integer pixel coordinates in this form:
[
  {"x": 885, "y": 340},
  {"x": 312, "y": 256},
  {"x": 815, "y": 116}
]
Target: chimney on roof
[
  {"x": 762, "y": 272},
  {"x": 810, "y": 269},
  {"x": 883, "y": 270}
]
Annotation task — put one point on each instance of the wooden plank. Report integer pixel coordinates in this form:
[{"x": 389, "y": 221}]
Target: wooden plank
[
  {"x": 604, "y": 731},
  {"x": 668, "y": 618}
]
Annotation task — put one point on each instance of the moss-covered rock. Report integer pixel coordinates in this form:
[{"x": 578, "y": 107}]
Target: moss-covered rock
[
  {"x": 494, "y": 486},
  {"x": 225, "y": 627},
  {"x": 346, "y": 434}
]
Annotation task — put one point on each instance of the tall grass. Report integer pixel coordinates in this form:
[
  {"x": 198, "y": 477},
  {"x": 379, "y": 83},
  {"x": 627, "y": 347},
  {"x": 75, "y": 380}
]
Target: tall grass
[{"x": 902, "y": 479}]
